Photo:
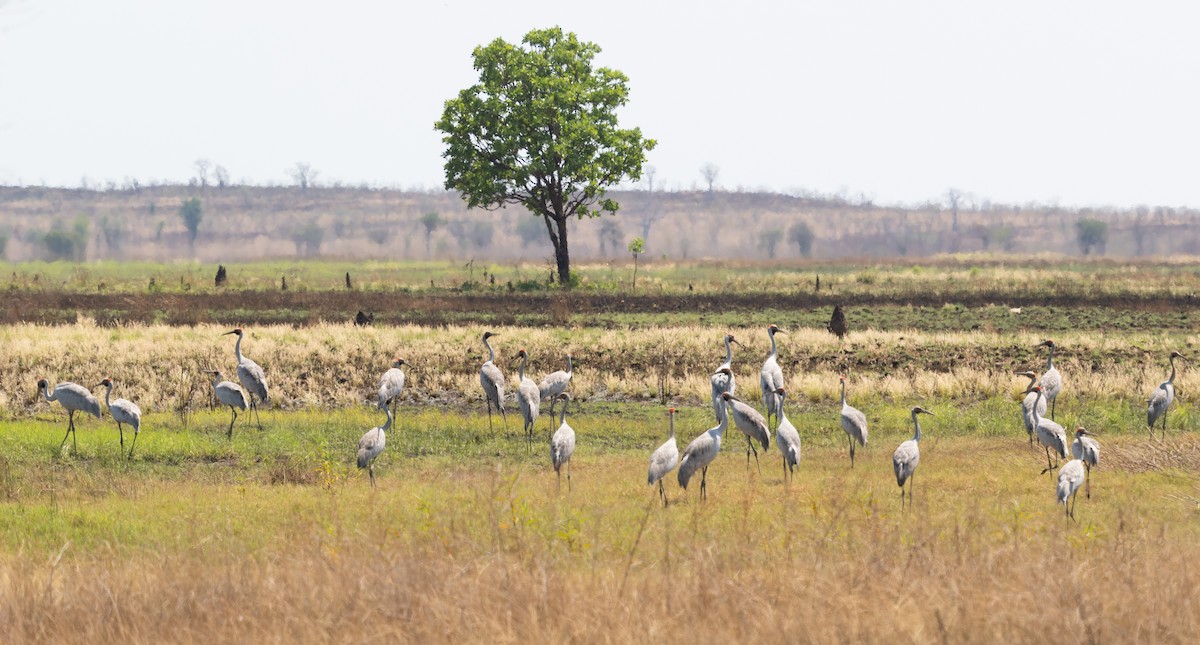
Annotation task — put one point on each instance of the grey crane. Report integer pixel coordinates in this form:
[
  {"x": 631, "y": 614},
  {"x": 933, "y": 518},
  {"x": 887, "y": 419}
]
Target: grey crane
[
  {"x": 1028, "y": 403},
  {"x": 722, "y": 380},
  {"x": 787, "y": 439},
  {"x": 492, "y": 380},
  {"x": 908, "y": 456},
  {"x": 854, "y": 422},
  {"x": 1049, "y": 434},
  {"x": 562, "y": 444},
  {"x": 75, "y": 398},
  {"x": 123, "y": 411},
  {"x": 230, "y": 394},
  {"x": 663, "y": 460},
  {"x": 771, "y": 377},
  {"x": 251, "y": 376},
  {"x": 554, "y": 384},
  {"x": 752, "y": 424},
  {"x": 1070, "y": 478},
  {"x": 1051, "y": 380},
  {"x": 700, "y": 453},
  {"x": 528, "y": 397},
  {"x": 372, "y": 443},
  {"x": 1161, "y": 398},
  {"x": 1087, "y": 450},
  {"x": 391, "y": 385}
]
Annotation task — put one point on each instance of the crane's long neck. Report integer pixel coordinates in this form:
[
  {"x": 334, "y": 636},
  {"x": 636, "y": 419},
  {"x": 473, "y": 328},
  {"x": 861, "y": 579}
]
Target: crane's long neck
[
  {"x": 108, "y": 393},
  {"x": 1050, "y": 359},
  {"x": 237, "y": 348},
  {"x": 1037, "y": 418},
  {"x": 729, "y": 350},
  {"x": 782, "y": 416},
  {"x": 916, "y": 426},
  {"x": 772, "y": 345},
  {"x": 1032, "y": 382},
  {"x": 491, "y": 352},
  {"x": 1171, "y": 379},
  {"x": 46, "y": 393},
  {"x": 562, "y": 418},
  {"x": 388, "y": 425},
  {"x": 521, "y": 371},
  {"x": 570, "y": 365},
  {"x": 672, "y": 425},
  {"x": 216, "y": 380},
  {"x": 724, "y": 421},
  {"x": 843, "y": 394}
]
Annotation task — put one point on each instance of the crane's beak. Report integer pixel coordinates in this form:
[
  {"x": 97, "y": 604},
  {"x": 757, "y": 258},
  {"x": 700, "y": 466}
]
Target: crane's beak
[
  {"x": 229, "y": 332},
  {"x": 738, "y": 344}
]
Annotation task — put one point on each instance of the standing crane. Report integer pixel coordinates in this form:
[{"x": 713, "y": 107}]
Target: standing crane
[
  {"x": 700, "y": 453},
  {"x": 229, "y": 393},
  {"x": 1087, "y": 450},
  {"x": 663, "y": 460},
  {"x": 788, "y": 440},
  {"x": 1049, "y": 434},
  {"x": 1051, "y": 379},
  {"x": 528, "y": 397},
  {"x": 562, "y": 444},
  {"x": 75, "y": 398},
  {"x": 722, "y": 379},
  {"x": 492, "y": 380},
  {"x": 908, "y": 456},
  {"x": 750, "y": 423},
  {"x": 251, "y": 376},
  {"x": 391, "y": 385},
  {"x": 372, "y": 443},
  {"x": 1070, "y": 478},
  {"x": 854, "y": 422},
  {"x": 123, "y": 411},
  {"x": 1028, "y": 403},
  {"x": 554, "y": 384},
  {"x": 1161, "y": 398},
  {"x": 771, "y": 377}
]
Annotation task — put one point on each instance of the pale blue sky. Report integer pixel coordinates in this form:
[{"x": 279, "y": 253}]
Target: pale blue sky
[{"x": 1079, "y": 103}]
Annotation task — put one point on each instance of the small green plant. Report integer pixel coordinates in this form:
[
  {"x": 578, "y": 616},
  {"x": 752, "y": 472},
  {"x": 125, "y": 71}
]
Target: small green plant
[{"x": 636, "y": 247}]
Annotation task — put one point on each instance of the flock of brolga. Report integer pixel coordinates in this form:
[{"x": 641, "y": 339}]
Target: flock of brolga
[{"x": 698, "y": 454}]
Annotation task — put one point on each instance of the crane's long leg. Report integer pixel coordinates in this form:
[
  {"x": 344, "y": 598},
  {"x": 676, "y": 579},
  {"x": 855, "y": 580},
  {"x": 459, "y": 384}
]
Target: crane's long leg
[
  {"x": 234, "y": 410},
  {"x": 254, "y": 407},
  {"x": 1087, "y": 478},
  {"x": 1164, "y": 432},
  {"x": 122, "y": 432},
  {"x": 1048, "y": 466},
  {"x": 371, "y": 472},
  {"x": 851, "y": 450},
  {"x": 1053, "y": 407},
  {"x": 662, "y": 492},
  {"x": 568, "y": 475},
  {"x": 911, "y": 483},
  {"x": 74, "y": 438},
  {"x": 490, "y": 428},
  {"x": 558, "y": 471},
  {"x": 1074, "y": 496},
  {"x": 704, "y": 483},
  {"x": 134, "y": 445}
]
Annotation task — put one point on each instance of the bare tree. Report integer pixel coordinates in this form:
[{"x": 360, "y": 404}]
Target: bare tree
[
  {"x": 710, "y": 171},
  {"x": 304, "y": 175},
  {"x": 953, "y": 198},
  {"x": 651, "y": 214},
  {"x": 202, "y": 171},
  {"x": 221, "y": 175}
]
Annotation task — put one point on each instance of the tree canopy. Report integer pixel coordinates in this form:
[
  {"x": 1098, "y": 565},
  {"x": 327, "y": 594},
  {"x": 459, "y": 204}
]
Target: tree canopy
[{"x": 540, "y": 130}]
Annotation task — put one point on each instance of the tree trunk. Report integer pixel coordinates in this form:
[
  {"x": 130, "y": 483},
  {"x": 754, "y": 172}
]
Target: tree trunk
[{"x": 561, "y": 256}]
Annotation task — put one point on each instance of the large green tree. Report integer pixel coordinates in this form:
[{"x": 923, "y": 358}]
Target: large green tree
[{"x": 540, "y": 130}]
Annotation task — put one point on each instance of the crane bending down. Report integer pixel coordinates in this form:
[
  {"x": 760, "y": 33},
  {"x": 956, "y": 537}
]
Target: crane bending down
[
  {"x": 787, "y": 439},
  {"x": 372, "y": 443},
  {"x": 123, "y": 411},
  {"x": 663, "y": 460},
  {"x": 1028, "y": 403},
  {"x": 1161, "y": 398},
  {"x": 492, "y": 380},
  {"x": 562, "y": 444},
  {"x": 391, "y": 385},
  {"x": 528, "y": 398},
  {"x": 230, "y": 394},
  {"x": 854, "y": 422},
  {"x": 722, "y": 381},
  {"x": 1087, "y": 450},
  {"x": 908, "y": 456},
  {"x": 1049, "y": 434},
  {"x": 700, "y": 453},
  {"x": 752, "y": 424},
  {"x": 554, "y": 384},
  {"x": 1051, "y": 379},
  {"x": 771, "y": 377},
  {"x": 1069, "y": 480},
  {"x": 251, "y": 376},
  {"x": 75, "y": 398}
]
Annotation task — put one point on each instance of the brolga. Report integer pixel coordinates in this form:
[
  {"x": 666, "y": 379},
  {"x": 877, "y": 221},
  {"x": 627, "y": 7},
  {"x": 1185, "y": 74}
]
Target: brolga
[
  {"x": 1051, "y": 379},
  {"x": 1070, "y": 478},
  {"x": 75, "y": 398},
  {"x": 251, "y": 376},
  {"x": 230, "y": 394},
  {"x": 751, "y": 423},
  {"x": 528, "y": 397},
  {"x": 554, "y": 384},
  {"x": 771, "y": 377},
  {"x": 722, "y": 379},
  {"x": 123, "y": 411},
  {"x": 854, "y": 422},
  {"x": 700, "y": 453},
  {"x": 391, "y": 385},
  {"x": 1087, "y": 450},
  {"x": 1028, "y": 403},
  {"x": 372, "y": 443},
  {"x": 787, "y": 439},
  {"x": 1161, "y": 398},
  {"x": 1049, "y": 434},
  {"x": 908, "y": 456},
  {"x": 663, "y": 460},
  {"x": 492, "y": 380},
  {"x": 562, "y": 444}
]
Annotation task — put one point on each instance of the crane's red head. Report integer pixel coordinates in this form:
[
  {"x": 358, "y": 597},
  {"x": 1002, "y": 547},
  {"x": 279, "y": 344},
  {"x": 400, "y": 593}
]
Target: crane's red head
[
  {"x": 237, "y": 331},
  {"x": 488, "y": 334},
  {"x": 842, "y": 377},
  {"x": 670, "y": 410},
  {"x": 1036, "y": 388},
  {"x": 107, "y": 381},
  {"x": 780, "y": 392},
  {"x": 1048, "y": 343},
  {"x": 774, "y": 329},
  {"x": 1177, "y": 355},
  {"x": 727, "y": 396},
  {"x": 43, "y": 383}
]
